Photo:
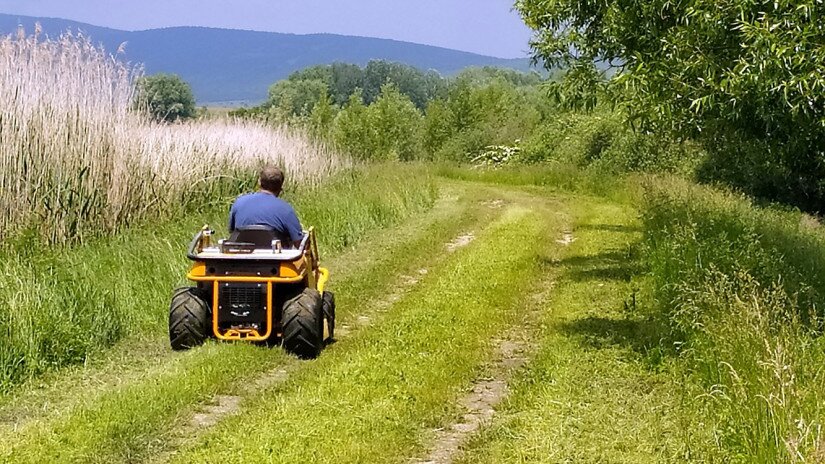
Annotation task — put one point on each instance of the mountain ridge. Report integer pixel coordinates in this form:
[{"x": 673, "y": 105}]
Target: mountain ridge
[{"x": 237, "y": 65}]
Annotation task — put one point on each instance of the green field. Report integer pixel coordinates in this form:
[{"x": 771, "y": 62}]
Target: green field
[{"x": 496, "y": 317}]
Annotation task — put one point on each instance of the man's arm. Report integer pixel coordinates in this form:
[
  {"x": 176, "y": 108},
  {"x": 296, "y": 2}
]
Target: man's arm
[
  {"x": 232, "y": 219},
  {"x": 293, "y": 228}
]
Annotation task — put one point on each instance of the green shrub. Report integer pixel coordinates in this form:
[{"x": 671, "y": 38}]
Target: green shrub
[
  {"x": 296, "y": 98},
  {"x": 166, "y": 97},
  {"x": 601, "y": 139},
  {"x": 463, "y": 146},
  {"x": 389, "y": 129},
  {"x": 351, "y": 130}
]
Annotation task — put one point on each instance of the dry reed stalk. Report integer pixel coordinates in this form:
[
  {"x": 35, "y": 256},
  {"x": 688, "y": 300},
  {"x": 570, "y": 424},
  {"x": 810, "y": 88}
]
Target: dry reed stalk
[{"x": 75, "y": 159}]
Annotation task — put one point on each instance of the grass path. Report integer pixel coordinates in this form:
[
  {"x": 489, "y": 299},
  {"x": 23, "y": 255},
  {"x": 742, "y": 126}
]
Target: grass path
[
  {"x": 122, "y": 412},
  {"x": 367, "y": 402},
  {"x": 591, "y": 394},
  {"x": 427, "y": 308}
]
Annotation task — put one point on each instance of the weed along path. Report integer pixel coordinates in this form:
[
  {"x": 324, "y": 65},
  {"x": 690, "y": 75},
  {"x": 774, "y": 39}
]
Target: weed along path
[{"x": 489, "y": 329}]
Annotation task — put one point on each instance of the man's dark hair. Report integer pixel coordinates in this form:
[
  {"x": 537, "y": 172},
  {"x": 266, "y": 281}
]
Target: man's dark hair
[{"x": 272, "y": 179}]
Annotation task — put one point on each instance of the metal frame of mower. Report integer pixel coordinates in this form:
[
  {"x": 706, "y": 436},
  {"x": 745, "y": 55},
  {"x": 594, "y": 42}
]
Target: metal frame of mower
[{"x": 252, "y": 288}]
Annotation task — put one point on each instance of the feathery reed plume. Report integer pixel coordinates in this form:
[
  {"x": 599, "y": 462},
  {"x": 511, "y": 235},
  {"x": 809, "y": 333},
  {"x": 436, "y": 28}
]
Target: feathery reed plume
[{"x": 76, "y": 159}]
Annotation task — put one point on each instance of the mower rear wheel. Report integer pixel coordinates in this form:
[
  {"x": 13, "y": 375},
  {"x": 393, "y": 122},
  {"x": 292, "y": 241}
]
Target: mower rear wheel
[
  {"x": 329, "y": 313},
  {"x": 303, "y": 324},
  {"x": 189, "y": 318}
]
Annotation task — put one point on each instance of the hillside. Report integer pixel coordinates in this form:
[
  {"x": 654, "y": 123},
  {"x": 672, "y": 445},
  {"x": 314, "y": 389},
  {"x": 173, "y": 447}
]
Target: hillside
[{"x": 226, "y": 65}]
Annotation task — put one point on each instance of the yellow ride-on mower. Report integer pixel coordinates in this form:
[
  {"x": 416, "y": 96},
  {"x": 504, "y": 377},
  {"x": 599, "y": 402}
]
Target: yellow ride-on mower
[{"x": 255, "y": 288}]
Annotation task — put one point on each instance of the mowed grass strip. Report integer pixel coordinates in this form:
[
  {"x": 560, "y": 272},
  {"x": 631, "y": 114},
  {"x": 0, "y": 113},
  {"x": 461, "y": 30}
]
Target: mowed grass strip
[
  {"x": 378, "y": 398},
  {"x": 599, "y": 389},
  {"x": 118, "y": 424},
  {"x": 113, "y": 422},
  {"x": 362, "y": 278},
  {"x": 418, "y": 244}
]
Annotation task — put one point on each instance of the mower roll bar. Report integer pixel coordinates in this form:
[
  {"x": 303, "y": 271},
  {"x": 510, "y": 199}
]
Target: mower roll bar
[
  {"x": 196, "y": 245},
  {"x": 193, "y": 245}
]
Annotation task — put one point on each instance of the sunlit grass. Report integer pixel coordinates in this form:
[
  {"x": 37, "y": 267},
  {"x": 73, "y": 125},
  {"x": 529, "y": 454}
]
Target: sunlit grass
[{"x": 743, "y": 289}]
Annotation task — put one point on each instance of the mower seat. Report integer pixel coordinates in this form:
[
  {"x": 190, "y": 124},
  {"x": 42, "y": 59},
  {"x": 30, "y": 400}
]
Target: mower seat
[{"x": 260, "y": 236}]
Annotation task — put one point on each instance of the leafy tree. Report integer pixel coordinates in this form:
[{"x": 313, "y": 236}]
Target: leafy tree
[
  {"x": 437, "y": 127},
  {"x": 506, "y": 114},
  {"x": 488, "y": 74},
  {"x": 386, "y": 130},
  {"x": 298, "y": 94},
  {"x": 396, "y": 122},
  {"x": 296, "y": 97},
  {"x": 345, "y": 79},
  {"x": 322, "y": 116},
  {"x": 419, "y": 86},
  {"x": 352, "y": 130},
  {"x": 166, "y": 97},
  {"x": 741, "y": 76},
  {"x": 463, "y": 108},
  {"x": 313, "y": 73}
]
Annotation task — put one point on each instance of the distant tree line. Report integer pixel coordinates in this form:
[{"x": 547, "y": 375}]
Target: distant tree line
[
  {"x": 393, "y": 111},
  {"x": 341, "y": 81}
]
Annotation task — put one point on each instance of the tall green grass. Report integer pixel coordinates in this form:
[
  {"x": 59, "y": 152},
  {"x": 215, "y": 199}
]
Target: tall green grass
[
  {"x": 744, "y": 290},
  {"x": 57, "y": 305}
]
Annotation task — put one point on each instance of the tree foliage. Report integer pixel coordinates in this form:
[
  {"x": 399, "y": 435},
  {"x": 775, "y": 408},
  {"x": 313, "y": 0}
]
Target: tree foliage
[
  {"x": 352, "y": 130},
  {"x": 297, "y": 97},
  {"x": 301, "y": 90},
  {"x": 386, "y": 130},
  {"x": 393, "y": 111},
  {"x": 733, "y": 72},
  {"x": 166, "y": 97}
]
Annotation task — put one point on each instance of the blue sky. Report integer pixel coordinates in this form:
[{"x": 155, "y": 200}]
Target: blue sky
[{"x": 488, "y": 27}]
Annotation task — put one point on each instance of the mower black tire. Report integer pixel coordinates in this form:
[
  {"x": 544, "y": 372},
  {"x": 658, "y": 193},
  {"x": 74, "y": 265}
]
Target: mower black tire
[
  {"x": 328, "y": 299},
  {"x": 189, "y": 318},
  {"x": 303, "y": 324}
]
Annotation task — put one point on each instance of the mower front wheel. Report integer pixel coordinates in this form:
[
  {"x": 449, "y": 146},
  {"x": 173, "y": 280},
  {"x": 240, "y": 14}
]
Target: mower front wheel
[
  {"x": 189, "y": 318},
  {"x": 303, "y": 324}
]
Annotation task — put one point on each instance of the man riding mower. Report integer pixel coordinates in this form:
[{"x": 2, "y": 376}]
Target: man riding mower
[{"x": 262, "y": 284}]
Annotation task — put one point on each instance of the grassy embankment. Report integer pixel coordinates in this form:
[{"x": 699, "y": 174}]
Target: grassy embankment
[
  {"x": 743, "y": 289},
  {"x": 719, "y": 341}
]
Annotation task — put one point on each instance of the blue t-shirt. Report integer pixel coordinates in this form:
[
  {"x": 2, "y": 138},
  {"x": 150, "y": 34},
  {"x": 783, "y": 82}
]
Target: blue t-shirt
[{"x": 265, "y": 209}]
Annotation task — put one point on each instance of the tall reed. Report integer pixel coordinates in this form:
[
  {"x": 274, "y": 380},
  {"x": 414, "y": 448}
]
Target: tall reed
[{"x": 75, "y": 159}]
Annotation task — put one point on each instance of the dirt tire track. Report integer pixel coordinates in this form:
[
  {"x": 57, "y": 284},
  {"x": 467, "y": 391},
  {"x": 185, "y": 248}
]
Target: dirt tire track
[
  {"x": 514, "y": 349},
  {"x": 567, "y": 239},
  {"x": 460, "y": 242}
]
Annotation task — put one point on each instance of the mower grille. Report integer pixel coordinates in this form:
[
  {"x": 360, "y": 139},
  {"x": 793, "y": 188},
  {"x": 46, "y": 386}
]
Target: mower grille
[{"x": 242, "y": 303}]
